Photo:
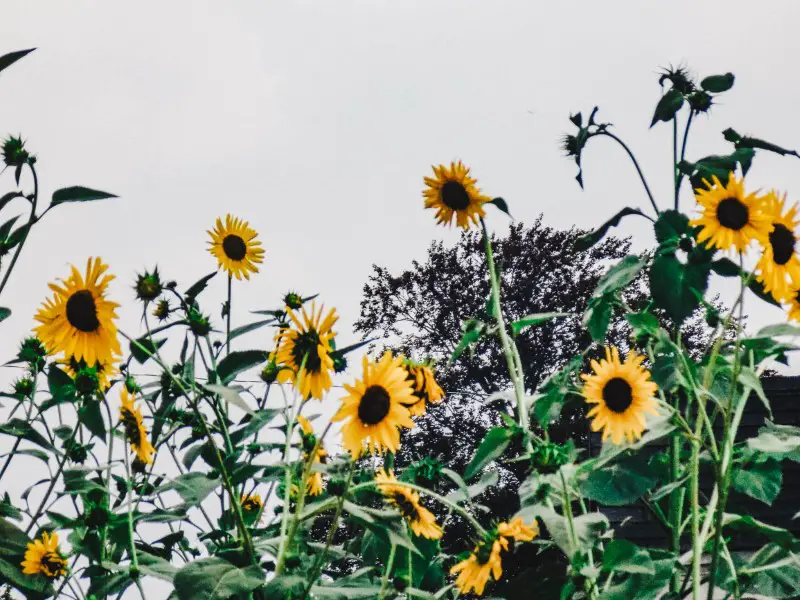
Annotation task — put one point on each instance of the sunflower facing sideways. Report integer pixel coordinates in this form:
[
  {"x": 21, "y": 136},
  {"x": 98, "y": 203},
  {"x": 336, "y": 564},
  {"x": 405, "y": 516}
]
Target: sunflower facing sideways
[
  {"x": 135, "y": 432},
  {"x": 314, "y": 484},
  {"x": 421, "y": 520},
  {"x": 43, "y": 556},
  {"x": 730, "y": 216},
  {"x": 374, "y": 409},
  {"x": 307, "y": 345},
  {"x": 779, "y": 266},
  {"x": 622, "y": 393},
  {"x": 235, "y": 245},
  {"x": 474, "y": 571},
  {"x": 452, "y": 192},
  {"x": 79, "y": 320},
  {"x": 426, "y": 390}
]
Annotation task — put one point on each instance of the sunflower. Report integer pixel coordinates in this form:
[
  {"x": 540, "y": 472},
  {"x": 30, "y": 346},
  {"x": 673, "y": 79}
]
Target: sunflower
[
  {"x": 89, "y": 379},
  {"x": 251, "y": 503},
  {"x": 314, "y": 484},
  {"x": 236, "y": 248},
  {"x": 426, "y": 390},
  {"x": 422, "y": 521},
  {"x": 779, "y": 261},
  {"x": 730, "y": 216},
  {"x": 794, "y": 303},
  {"x": 473, "y": 572},
  {"x": 518, "y": 530},
  {"x": 374, "y": 408},
  {"x": 311, "y": 339},
  {"x": 43, "y": 556},
  {"x": 453, "y": 191},
  {"x": 131, "y": 418},
  {"x": 622, "y": 393},
  {"x": 79, "y": 320}
]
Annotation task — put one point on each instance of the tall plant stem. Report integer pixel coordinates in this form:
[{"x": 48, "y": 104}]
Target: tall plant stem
[
  {"x": 678, "y": 174},
  {"x": 134, "y": 568},
  {"x": 635, "y": 164},
  {"x": 228, "y": 320},
  {"x": 514, "y": 369},
  {"x": 31, "y": 221},
  {"x": 387, "y": 571}
]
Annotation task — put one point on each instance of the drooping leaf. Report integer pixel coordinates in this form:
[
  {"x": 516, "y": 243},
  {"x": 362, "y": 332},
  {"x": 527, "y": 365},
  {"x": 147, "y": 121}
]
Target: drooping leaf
[
  {"x": 535, "y": 319},
  {"x": 91, "y": 417},
  {"x": 78, "y": 194},
  {"x": 493, "y": 446},
  {"x": 472, "y": 332},
  {"x": 761, "y": 480},
  {"x": 619, "y": 276},
  {"x": 4, "y": 313},
  {"x": 193, "y": 487},
  {"x": 214, "y": 578},
  {"x": 500, "y": 204},
  {"x": 236, "y": 362},
  {"x": 197, "y": 287},
  {"x": 487, "y": 480},
  {"x": 5, "y": 228},
  {"x": 669, "y": 104},
  {"x": 259, "y": 420},
  {"x": 757, "y": 288},
  {"x": 597, "y": 317},
  {"x": 22, "y": 429},
  {"x": 677, "y": 287},
  {"x": 625, "y": 556},
  {"x": 590, "y": 239},
  {"x": 239, "y": 331},
  {"x": 9, "y": 59},
  {"x": 144, "y": 348}
]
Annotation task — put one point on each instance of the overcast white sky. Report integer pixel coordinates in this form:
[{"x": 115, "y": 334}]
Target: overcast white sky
[{"x": 317, "y": 121}]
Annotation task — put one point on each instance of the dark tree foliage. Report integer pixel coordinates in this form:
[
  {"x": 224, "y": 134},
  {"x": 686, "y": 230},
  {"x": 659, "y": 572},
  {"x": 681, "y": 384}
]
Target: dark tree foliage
[{"x": 420, "y": 311}]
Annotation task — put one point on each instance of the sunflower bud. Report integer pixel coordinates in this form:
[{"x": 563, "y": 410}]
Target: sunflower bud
[
  {"x": 679, "y": 78},
  {"x": 293, "y": 300},
  {"x": 14, "y": 153},
  {"x": 700, "y": 101},
  {"x": 23, "y": 387},
  {"x": 77, "y": 453},
  {"x": 198, "y": 323},
  {"x": 87, "y": 381},
  {"x": 339, "y": 363},
  {"x": 138, "y": 466},
  {"x": 336, "y": 487},
  {"x": 148, "y": 286},
  {"x": 131, "y": 385},
  {"x": 162, "y": 310},
  {"x": 547, "y": 457},
  {"x": 270, "y": 372},
  {"x": 32, "y": 351}
]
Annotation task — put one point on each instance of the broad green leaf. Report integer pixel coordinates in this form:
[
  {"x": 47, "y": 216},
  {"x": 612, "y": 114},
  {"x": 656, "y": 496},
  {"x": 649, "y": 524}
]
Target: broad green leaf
[
  {"x": 619, "y": 276},
  {"x": 757, "y": 288},
  {"x": 625, "y": 556},
  {"x": 236, "y": 362},
  {"x": 91, "y": 416},
  {"x": 778, "y": 329},
  {"x": 671, "y": 225},
  {"x": 231, "y": 395},
  {"x": 726, "y": 267},
  {"x": 472, "y": 332},
  {"x": 597, "y": 317},
  {"x": 501, "y": 204},
  {"x": 192, "y": 487},
  {"x": 590, "y": 239},
  {"x": 620, "y": 483},
  {"x": 588, "y": 528},
  {"x": 643, "y": 324},
  {"x": 775, "y": 572},
  {"x": 9, "y": 59},
  {"x": 716, "y": 84},
  {"x": 4, "y": 313},
  {"x": 750, "y": 380},
  {"x": 239, "y": 331},
  {"x": 669, "y": 104},
  {"x": 487, "y": 480},
  {"x": 6, "y": 198},
  {"x": 78, "y": 194},
  {"x": 259, "y": 420},
  {"x": 61, "y": 386},
  {"x": 22, "y": 429},
  {"x": 493, "y": 446},
  {"x": 535, "y": 319},
  {"x": 761, "y": 481},
  {"x": 5, "y": 228},
  {"x": 33, "y": 586},
  {"x": 337, "y": 592},
  {"x": 155, "y": 566},
  {"x": 644, "y": 586},
  {"x": 783, "y": 537},
  {"x": 197, "y": 287},
  {"x": 777, "y": 441},
  {"x": 144, "y": 348},
  {"x": 677, "y": 287},
  {"x": 214, "y": 578}
]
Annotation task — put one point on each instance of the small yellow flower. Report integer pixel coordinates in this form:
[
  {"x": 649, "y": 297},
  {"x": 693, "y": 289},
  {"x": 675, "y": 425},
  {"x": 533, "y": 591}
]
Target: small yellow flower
[
  {"x": 374, "y": 409},
  {"x": 251, "y": 503},
  {"x": 730, "y": 216},
  {"x": 43, "y": 556},
  {"x": 79, "y": 320},
  {"x": 131, "y": 419},
  {"x": 421, "y": 520},
  {"x": 474, "y": 572},
  {"x": 453, "y": 192},
  {"x": 622, "y": 393},
  {"x": 235, "y": 245},
  {"x": 518, "y": 530}
]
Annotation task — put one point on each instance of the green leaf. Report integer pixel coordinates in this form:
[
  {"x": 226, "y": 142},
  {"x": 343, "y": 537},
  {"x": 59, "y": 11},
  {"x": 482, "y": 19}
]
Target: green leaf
[
  {"x": 4, "y": 313},
  {"x": 535, "y": 319},
  {"x": 750, "y": 380},
  {"x": 91, "y": 417},
  {"x": 487, "y": 480},
  {"x": 493, "y": 446},
  {"x": 625, "y": 556},
  {"x": 500, "y": 204},
  {"x": 197, "y": 287},
  {"x": 193, "y": 488},
  {"x": 472, "y": 332},
  {"x": 726, "y": 267},
  {"x": 775, "y": 572},
  {"x": 757, "y": 288},
  {"x": 669, "y": 104},
  {"x": 590, "y": 239},
  {"x": 643, "y": 324},
  {"x": 777, "y": 441},
  {"x": 6, "y": 198},
  {"x": 782, "y": 537},
  {"x": 761, "y": 481},
  {"x": 144, "y": 348},
  {"x": 231, "y": 395},
  {"x": 78, "y": 194},
  {"x": 9, "y": 59},
  {"x": 778, "y": 329},
  {"x": 619, "y": 483},
  {"x": 155, "y": 566},
  {"x": 213, "y": 578},
  {"x": 22, "y": 429},
  {"x": 677, "y": 287},
  {"x": 236, "y": 362},
  {"x": 716, "y": 84},
  {"x": 597, "y": 317},
  {"x": 61, "y": 386},
  {"x": 5, "y": 228},
  {"x": 239, "y": 331},
  {"x": 671, "y": 225},
  {"x": 588, "y": 528},
  {"x": 619, "y": 276},
  {"x": 260, "y": 418}
]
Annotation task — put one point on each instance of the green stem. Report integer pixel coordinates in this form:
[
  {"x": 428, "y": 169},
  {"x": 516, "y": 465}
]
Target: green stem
[
  {"x": 53, "y": 481},
  {"x": 513, "y": 370},
  {"x": 228, "y": 320},
  {"x": 675, "y": 156},
  {"x": 635, "y": 164},
  {"x": 387, "y": 572},
  {"x": 134, "y": 569},
  {"x": 678, "y": 174},
  {"x": 31, "y": 221}
]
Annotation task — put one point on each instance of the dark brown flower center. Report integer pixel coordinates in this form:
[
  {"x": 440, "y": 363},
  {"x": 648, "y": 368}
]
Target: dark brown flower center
[
  {"x": 618, "y": 395},
  {"x": 131, "y": 424},
  {"x": 405, "y": 505},
  {"x": 455, "y": 196},
  {"x": 306, "y": 346},
  {"x": 52, "y": 564},
  {"x": 374, "y": 405},
  {"x": 251, "y": 504},
  {"x": 782, "y": 241},
  {"x": 82, "y": 311},
  {"x": 234, "y": 247},
  {"x": 732, "y": 213}
]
